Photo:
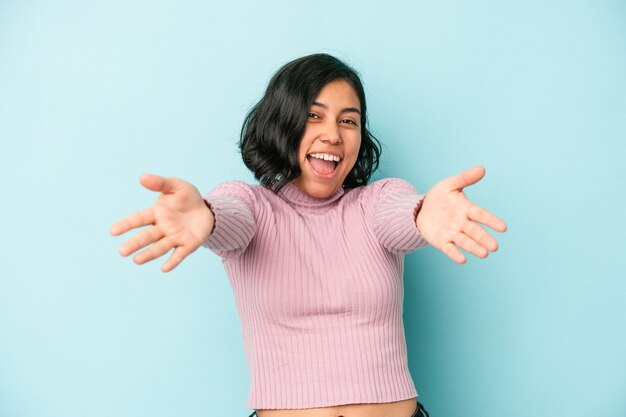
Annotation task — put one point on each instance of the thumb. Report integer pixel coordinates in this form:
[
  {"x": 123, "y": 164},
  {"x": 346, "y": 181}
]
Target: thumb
[
  {"x": 467, "y": 177},
  {"x": 157, "y": 183}
]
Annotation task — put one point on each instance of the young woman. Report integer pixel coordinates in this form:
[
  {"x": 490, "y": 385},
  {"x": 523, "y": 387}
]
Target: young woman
[{"x": 315, "y": 254}]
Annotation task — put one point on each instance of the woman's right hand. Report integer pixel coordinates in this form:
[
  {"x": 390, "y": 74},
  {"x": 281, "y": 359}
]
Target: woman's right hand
[{"x": 180, "y": 219}]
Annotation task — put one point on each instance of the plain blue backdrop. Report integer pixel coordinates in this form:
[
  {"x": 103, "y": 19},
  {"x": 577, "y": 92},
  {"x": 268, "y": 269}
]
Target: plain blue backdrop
[{"x": 94, "y": 94}]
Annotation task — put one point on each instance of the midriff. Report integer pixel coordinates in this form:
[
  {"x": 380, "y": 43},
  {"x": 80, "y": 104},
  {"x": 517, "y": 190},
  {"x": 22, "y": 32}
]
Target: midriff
[{"x": 404, "y": 408}]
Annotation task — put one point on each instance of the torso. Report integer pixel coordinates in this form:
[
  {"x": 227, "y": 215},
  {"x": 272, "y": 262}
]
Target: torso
[
  {"x": 404, "y": 408},
  {"x": 345, "y": 337}
]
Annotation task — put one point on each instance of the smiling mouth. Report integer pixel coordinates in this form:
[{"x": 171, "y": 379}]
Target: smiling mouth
[{"x": 323, "y": 168}]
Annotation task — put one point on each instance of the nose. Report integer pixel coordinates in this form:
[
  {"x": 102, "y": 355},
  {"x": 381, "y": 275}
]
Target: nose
[{"x": 331, "y": 134}]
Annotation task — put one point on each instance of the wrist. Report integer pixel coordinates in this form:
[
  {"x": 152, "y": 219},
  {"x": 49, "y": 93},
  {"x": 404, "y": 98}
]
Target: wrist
[
  {"x": 417, "y": 210},
  {"x": 208, "y": 205}
]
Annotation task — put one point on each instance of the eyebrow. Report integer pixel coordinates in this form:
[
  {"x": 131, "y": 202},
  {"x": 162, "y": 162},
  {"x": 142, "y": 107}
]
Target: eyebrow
[{"x": 346, "y": 110}]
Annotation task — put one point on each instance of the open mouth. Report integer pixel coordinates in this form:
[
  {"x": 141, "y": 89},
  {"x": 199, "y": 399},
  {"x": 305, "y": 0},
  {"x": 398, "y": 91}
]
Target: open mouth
[{"x": 324, "y": 165}]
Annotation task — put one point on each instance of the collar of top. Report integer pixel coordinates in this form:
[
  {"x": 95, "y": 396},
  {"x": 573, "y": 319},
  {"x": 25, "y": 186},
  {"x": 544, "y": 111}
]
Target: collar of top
[{"x": 294, "y": 196}]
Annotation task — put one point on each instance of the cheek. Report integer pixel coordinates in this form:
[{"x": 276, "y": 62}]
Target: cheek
[
  {"x": 356, "y": 147},
  {"x": 305, "y": 143},
  {"x": 353, "y": 158},
  {"x": 301, "y": 152}
]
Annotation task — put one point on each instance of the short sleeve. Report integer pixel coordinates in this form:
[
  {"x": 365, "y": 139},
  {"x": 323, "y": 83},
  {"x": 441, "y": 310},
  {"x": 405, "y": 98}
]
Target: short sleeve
[
  {"x": 393, "y": 207},
  {"x": 233, "y": 204}
]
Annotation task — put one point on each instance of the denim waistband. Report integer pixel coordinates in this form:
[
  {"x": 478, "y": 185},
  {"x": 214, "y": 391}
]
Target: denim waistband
[{"x": 420, "y": 411}]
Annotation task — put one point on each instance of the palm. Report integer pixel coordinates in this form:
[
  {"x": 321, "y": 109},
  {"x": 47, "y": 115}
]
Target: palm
[
  {"x": 448, "y": 218},
  {"x": 172, "y": 216},
  {"x": 179, "y": 219}
]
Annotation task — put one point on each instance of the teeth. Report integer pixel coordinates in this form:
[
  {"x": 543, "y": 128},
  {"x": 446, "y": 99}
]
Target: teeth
[{"x": 326, "y": 157}]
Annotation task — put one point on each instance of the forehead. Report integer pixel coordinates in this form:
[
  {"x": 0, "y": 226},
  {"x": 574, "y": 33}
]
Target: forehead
[{"x": 338, "y": 93}]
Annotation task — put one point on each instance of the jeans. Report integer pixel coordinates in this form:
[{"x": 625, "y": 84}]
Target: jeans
[{"x": 419, "y": 412}]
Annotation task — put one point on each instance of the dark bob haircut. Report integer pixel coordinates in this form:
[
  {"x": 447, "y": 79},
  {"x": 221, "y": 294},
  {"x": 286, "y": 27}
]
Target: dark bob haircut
[{"x": 273, "y": 129}]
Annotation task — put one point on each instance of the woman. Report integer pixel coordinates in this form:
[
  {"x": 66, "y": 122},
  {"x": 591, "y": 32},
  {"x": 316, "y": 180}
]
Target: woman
[{"x": 314, "y": 253}]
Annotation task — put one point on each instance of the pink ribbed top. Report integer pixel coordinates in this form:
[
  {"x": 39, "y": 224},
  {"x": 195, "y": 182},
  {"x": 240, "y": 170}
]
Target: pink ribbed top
[{"x": 319, "y": 290}]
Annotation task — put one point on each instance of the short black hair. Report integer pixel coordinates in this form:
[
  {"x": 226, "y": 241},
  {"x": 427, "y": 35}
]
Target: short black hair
[{"x": 272, "y": 130}]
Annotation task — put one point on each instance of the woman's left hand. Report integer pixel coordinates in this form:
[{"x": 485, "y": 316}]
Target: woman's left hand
[{"x": 447, "y": 218}]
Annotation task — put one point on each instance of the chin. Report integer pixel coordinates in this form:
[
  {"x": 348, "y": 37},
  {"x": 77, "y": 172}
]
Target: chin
[
  {"x": 320, "y": 191},
  {"x": 325, "y": 195}
]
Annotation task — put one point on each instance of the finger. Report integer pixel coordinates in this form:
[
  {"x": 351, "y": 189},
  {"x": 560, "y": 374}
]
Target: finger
[
  {"x": 161, "y": 247},
  {"x": 453, "y": 253},
  {"x": 138, "y": 219},
  {"x": 470, "y": 245},
  {"x": 480, "y": 235},
  {"x": 142, "y": 240},
  {"x": 467, "y": 177},
  {"x": 177, "y": 257},
  {"x": 483, "y": 216},
  {"x": 159, "y": 184}
]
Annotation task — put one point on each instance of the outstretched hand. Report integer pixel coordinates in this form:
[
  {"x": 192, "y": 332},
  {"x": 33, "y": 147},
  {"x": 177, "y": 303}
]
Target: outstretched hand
[
  {"x": 180, "y": 219},
  {"x": 447, "y": 218}
]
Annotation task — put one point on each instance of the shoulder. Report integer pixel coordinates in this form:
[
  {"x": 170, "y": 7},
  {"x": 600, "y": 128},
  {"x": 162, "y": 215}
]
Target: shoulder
[
  {"x": 248, "y": 193},
  {"x": 370, "y": 196},
  {"x": 379, "y": 189},
  {"x": 231, "y": 187}
]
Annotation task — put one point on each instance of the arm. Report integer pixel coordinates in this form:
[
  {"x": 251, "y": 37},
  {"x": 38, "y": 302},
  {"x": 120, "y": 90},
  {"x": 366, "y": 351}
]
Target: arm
[
  {"x": 395, "y": 206},
  {"x": 233, "y": 205}
]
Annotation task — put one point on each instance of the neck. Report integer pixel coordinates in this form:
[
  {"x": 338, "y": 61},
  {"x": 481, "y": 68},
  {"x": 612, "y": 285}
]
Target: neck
[{"x": 296, "y": 197}]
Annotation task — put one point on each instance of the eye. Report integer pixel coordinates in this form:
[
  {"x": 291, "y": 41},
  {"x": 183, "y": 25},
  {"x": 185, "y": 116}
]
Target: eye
[
  {"x": 313, "y": 115},
  {"x": 349, "y": 121}
]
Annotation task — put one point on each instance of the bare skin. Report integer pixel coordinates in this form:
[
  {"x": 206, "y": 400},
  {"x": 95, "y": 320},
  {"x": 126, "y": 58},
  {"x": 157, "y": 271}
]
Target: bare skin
[
  {"x": 448, "y": 219},
  {"x": 181, "y": 220},
  {"x": 404, "y": 408}
]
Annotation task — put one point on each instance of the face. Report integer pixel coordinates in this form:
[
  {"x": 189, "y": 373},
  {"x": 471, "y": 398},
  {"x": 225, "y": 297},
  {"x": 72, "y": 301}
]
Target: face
[{"x": 331, "y": 141}]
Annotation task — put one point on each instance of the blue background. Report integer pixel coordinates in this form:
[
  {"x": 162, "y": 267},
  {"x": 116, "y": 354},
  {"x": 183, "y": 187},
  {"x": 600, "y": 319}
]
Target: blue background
[{"x": 92, "y": 95}]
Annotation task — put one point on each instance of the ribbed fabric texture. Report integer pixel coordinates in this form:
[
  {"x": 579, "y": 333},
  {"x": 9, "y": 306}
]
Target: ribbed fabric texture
[{"x": 319, "y": 290}]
